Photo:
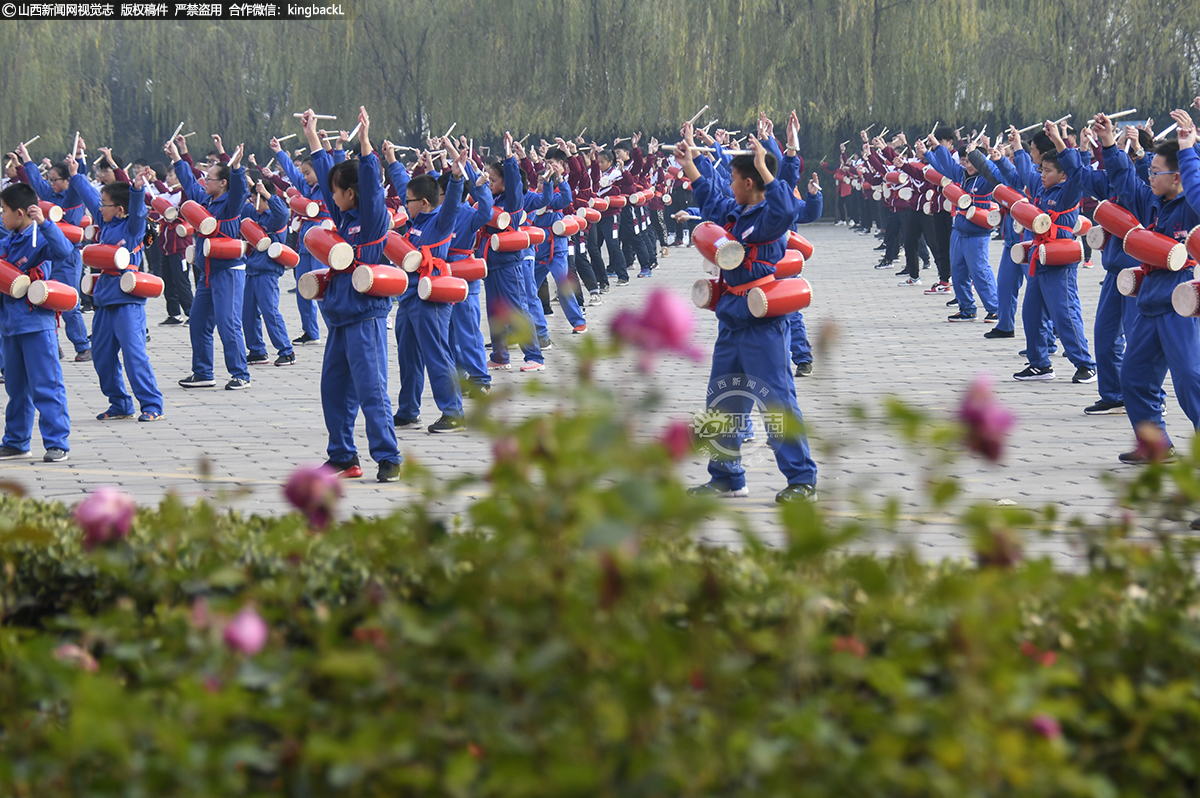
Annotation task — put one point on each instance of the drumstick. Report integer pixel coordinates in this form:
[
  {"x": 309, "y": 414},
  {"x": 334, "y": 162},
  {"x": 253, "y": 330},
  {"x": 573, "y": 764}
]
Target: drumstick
[
  {"x": 35, "y": 138},
  {"x": 706, "y": 127},
  {"x": 522, "y": 141},
  {"x": 933, "y": 129},
  {"x": 1064, "y": 119},
  {"x": 74, "y": 145},
  {"x": 354, "y": 132},
  {"x": 315, "y": 116},
  {"x": 1164, "y": 134},
  {"x": 581, "y": 133},
  {"x": 451, "y": 130},
  {"x": 867, "y": 129},
  {"x": 188, "y": 135},
  {"x": 1120, "y": 114},
  {"x": 692, "y": 121},
  {"x": 285, "y": 138},
  {"x": 1034, "y": 126},
  {"x": 176, "y": 133}
]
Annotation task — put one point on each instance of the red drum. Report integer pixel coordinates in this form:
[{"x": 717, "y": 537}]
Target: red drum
[
  {"x": 905, "y": 193},
  {"x": 779, "y": 298},
  {"x": 183, "y": 229},
  {"x": 198, "y": 217},
  {"x": 716, "y": 245},
  {"x": 583, "y": 223},
  {"x": 617, "y": 202},
  {"x": 590, "y": 214},
  {"x": 1029, "y": 217},
  {"x": 106, "y": 257},
  {"x": 375, "y": 279},
  {"x": 927, "y": 209},
  {"x": 957, "y": 196},
  {"x": 292, "y": 191},
  {"x": 800, "y": 244},
  {"x": 1155, "y": 249},
  {"x": 537, "y": 235},
  {"x": 85, "y": 221},
  {"x": 399, "y": 218},
  {"x": 1193, "y": 243},
  {"x": 74, "y": 234},
  {"x": 443, "y": 288},
  {"x": 566, "y": 226},
  {"x": 469, "y": 269},
  {"x": 224, "y": 248},
  {"x": 304, "y": 207},
  {"x": 85, "y": 285},
  {"x": 401, "y": 253},
  {"x": 1061, "y": 252},
  {"x": 255, "y": 236},
  {"x": 295, "y": 224},
  {"x": 327, "y": 224},
  {"x": 90, "y": 232},
  {"x": 1129, "y": 281},
  {"x": 329, "y": 248},
  {"x": 284, "y": 255},
  {"x": 52, "y": 295},
  {"x": 599, "y": 203},
  {"x": 896, "y": 178},
  {"x": 929, "y": 195},
  {"x": 1019, "y": 252},
  {"x": 984, "y": 217},
  {"x": 706, "y": 293},
  {"x": 877, "y": 194},
  {"x": 51, "y": 211},
  {"x": 13, "y": 281},
  {"x": 312, "y": 285},
  {"x": 1115, "y": 219},
  {"x": 1007, "y": 195},
  {"x": 501, "y": 219},
  {"x": 1083, "y": 226},
  {"x": 1186, "y": 298},
  {"x": 1097, "y": 237},
  {"x": 165, "y": 209},
  {"x": 791, "y": 264},
  {"x": 935, "y": 177},
  {"x": 947, "y": 205},
  {"x": 511, "y": 241},
  {"x": 666, "y": 199},
  {"x": 141, "y": 284},
  {"x": 189, "y": 254}
]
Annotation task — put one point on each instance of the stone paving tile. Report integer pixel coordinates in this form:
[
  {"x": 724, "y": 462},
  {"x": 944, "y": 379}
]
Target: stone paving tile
[{"x": 879, "y": 340}]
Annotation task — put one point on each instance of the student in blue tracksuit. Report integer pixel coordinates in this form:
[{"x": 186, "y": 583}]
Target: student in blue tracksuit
[
  {"x": 354, "y": 370},
  {"x": 466, "y": 333},
  {"x": 32, "y": 374},
  {"x": 551, "y": 255},
  {"x": 807, "y": 211},
  {"x": 119, "y": 323},
  {"x": 968, "y": 241},
  {"x": 222, "y": 282},
  {"x": 505, "y": 282},
  {"x": 423, "y": 326},
  {"x": 59, "y": 191},
  {"x": 1157, "y": 338},
  {"x": 758, "y": 215},
  {"x": 304, "y": 179},
  {"x": 1051, "y": 293},
  {"x": 260, "y": 304}
]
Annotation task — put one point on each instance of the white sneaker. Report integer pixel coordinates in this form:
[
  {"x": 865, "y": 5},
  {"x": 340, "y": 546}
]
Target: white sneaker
[{"x": 911, "y": 281}]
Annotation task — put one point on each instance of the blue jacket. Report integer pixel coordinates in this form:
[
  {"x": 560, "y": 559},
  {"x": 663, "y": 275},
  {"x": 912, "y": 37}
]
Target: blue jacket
[
  {"x": 468, "y": 225},
  {"x": 548, "y": 206},
  {"x": 273, "y": 219},
  {"x": 309, "y": 192},
  {"x": 512, "y": 203},
  {"x": 978, "y": 186},
  {"x": 227, "y": 209},
  {"x": 128, "y": 232},
  {"x": 435, "y": 228},
  {"x": 365, "y": 228},
  {"x": 1062, "y": 199},
  {"x": 1096, "y": 182},
  {"x": 17, "y": 316},
  {"x": 69, "y": 201},
  {"x": 1173, "y": 219}
]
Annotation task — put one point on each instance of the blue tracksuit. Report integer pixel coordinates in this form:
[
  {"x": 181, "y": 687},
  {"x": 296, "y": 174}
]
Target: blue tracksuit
[
  {"x": 119, "y": 323},
  {"x": 466, "y": 334},
  {"x": 307, "y": 307},
  {"x": 750, "y": 358},
  {"x": 506, "y": 284},
  {"x": 550, "y": 257},
  {"x": 969, "y": 263},
  {"x": 219, "y": 295},
  {"x": 1052, "y": 293},
  {"x": 70, "y": 269},
  {"x": 260, "y": 304},
  {"x": 354, "y": 371},
  {"x": 32, "y": 374},
  {"x": 806, "y": 211},
  {"x": 1159, "y": 339},
  {"x": 423, "y": 327}
]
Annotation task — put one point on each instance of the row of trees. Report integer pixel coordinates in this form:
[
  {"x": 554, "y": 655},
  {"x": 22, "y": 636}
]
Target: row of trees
[{"x": 555, "y": 66}]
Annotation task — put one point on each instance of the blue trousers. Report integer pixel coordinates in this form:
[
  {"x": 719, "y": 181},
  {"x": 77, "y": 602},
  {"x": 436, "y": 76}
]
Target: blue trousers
[
  {"x": 77, "y": 332},
  {"x": 307, "y": 307},
  {"x": 533, "y": 303},
  {"x": 121, "y": 330},
  {"x": 969, "y": 257},
  {"x": 353, "y": 376},
  {"x": 261, "y": 305},
  {"x": 798, "y": 344},
  {"x": 33, "y": 378},
  {"x": 556, "y": 267},
  {"x": 1111, "y": 314},
  {"x": 466, "y": 338},
  {"x": 506, "y": 300},
  {"x": 1154, "y": 345},
  {"x": 219, "y": 305},
  {"x": 1052, "y": 296},
  {"x": 1009, "y": 277},
  {"x": 423, "y": 344},
  {"x": 756, "y": 354}
]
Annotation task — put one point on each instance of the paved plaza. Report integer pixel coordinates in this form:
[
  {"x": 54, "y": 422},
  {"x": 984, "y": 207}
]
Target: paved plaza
[{"x": 875, "y": 340}]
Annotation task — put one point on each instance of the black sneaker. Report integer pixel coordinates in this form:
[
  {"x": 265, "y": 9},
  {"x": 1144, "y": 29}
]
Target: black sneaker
[
  {"x": 622, "y": 283},
  {"x": 1084, "y": 374},
  {"x": 713, "y": 489},
  {"x": 286, "y": 360},
  {"x": 388, "y": 472},
  {"x": 61, "y": 356},
  {"x": 83, "y": 357},
  {"x": 237, "y": 385},
  {"x": 1035, "y": 374},
  {"x": 304, "y": 338},
  {"x": 9, "y": 453},
  {"x": 347, "y": 470},
  {"x": 449, "y": 424},
  {"x": 258, "y": 360},
  {"x": 991, "y": 318},
  {"x": 796, "y": 493},
  {"x": 196, "y": 381},
  {"x": 546, "y": 347},
  {"x": 406, "y": 423},
  {"x": 804, "y": 369},
  {"x": 1134, "y": 458},
  {"x": 961, "y": 317},
  {"x": 54, "y": 456},
  {"x": 884, "y": 264},
  {"x": 999, "y": 334},
  {"x": 170, "y": 320},
  {"x": 1104, "y": 408},
  {"x": 952, "y": 303}
]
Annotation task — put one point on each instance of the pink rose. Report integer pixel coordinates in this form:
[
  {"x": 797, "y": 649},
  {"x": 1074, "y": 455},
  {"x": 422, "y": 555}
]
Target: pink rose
[
  {"x": 1046, "y": 725},
  {"x": 105, "y": 516},
  {"x": 314, "y": 491},
  {"x": 246, "y": 632},
  {"x": 665, "y": 324},
  {"x": 987, "y": 421},
  {"x": 76, "y": 655},
  {"x": 677, "y": 439}
]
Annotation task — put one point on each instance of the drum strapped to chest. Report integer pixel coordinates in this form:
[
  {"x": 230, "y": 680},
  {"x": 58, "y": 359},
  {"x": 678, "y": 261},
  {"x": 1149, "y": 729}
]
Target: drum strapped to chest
[
  {"x": 1030, "y": 217},
  {"x": 329, "y": 248},
  {"x": 106, "y": 257},
  {"x": 935, "y": 177},
  {"x": 312, "y": 285},
  {"x": 1060, "y": 252},
  {"x": 400, "y": 251},
  {"x": 13, "y": 281},
  {"x": 501, "y": 219},
  {"x": 183, "y": 229},
  {"x": 255, "y": 236},
  {"x": 1019, "y": 252},
  {"x": 375, "y": 279},
  {"x": 1186, "y": 298},
  {"x": 198, "y": 217},
  {"x": 598, "y": 203},
  {"x": 470, "y": 269},
  {"x": 399, "y": 218},
  {"x": 896, "y": 178},
  {"x": 142, "y": 284},
  {"x": 717, "y": 246},
  {"x": 73, "y": 233},
  {"x": 514, "y": 240},
  {"x": 590, "y": 214},
  {"x": 165, "y": 209},
  {"x": 1155, "y": 249},
  {"x": 284, "y": 255},
  {"x": 1115, "y": 219},
  {"x": 1083, "y": 226},
  {"x": 304, "y": 207},
  {"x": 52, "y": 295},
  {"x": 224, "y": 248},
  {"x": 442, "y": 288},
  {"x": 800, "y": 244},
  {"x": 51, "y": 211},
  {"x": 957, "y": 196},
  {"x": 617, "y": 201},
  {"x": 566, "y": 226},
  {"x": 791, "y": 264},
  {"x": 705, "y": 293},
  {"x": 986, "y": 218},
  {"x": 779, "y": 297},
  {"x": 1129, "y": 281},
  {"x": 1007, "y": 196},
  {"x": 1193, "y": 243},
  {"x": 87, "y": 282}
]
